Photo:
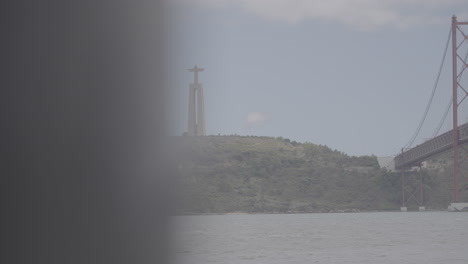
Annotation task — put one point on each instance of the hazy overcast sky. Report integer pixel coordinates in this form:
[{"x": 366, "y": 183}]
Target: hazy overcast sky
[{"x": 353, "y": 75}]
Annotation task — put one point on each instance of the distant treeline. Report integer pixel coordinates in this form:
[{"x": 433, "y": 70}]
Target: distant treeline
[{"x": 220, "y": 174}]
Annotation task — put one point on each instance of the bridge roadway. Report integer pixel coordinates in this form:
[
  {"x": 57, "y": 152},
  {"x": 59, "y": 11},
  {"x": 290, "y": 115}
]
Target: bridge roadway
[{"x": 432, "y": 147}]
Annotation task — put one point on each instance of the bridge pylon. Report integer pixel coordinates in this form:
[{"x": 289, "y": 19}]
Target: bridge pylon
[
  {"x": 457, "y": 72},
  {"x": 455, "y": 140},
  {"x": 412, "y": 188}
]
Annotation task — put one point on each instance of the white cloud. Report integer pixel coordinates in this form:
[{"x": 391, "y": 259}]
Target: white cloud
[
  {"x": 360, "y": 14},
  {"x": 256, "y": 118}
]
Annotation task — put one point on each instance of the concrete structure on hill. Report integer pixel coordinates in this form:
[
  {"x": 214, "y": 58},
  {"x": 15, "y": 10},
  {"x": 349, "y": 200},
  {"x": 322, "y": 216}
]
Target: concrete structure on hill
[
  {"x": 196, "y": 107},
  {"x": 387, "y": 162}
]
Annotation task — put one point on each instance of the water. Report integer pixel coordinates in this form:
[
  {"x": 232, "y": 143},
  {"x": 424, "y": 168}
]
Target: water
[{"x": 387, "y": 237}]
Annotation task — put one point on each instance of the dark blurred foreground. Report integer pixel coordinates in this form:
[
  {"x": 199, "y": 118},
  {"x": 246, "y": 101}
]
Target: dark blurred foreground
[{"x": 84, "y": 175}]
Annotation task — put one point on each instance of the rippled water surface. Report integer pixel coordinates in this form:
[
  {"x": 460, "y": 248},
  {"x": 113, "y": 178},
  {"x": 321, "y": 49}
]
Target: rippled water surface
[{"x": 388, "y": 237}]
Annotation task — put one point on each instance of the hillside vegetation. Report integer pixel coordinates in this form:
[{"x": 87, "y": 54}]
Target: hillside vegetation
[
  {"x": 220, "y": 174},
  {"x": 438, "y": 179}
]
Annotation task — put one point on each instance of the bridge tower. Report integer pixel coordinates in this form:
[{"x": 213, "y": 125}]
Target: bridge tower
[
  {"x": 196, "y": 110},
  {"x": 454, "y": 140},
  {"x": 457, "y": 59},
  {"x": 412, "y": 188}
]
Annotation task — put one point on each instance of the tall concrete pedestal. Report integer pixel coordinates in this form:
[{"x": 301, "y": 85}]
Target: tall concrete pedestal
[{"x": 196, "y": 110}]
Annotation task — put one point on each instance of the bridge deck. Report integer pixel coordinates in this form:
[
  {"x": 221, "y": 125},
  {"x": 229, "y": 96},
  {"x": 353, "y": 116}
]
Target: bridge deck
[{"x": 432, "y": 147}]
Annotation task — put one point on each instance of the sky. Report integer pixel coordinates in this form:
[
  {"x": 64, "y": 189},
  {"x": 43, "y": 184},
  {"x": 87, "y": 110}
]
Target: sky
[{"x": 354, "y": 75}]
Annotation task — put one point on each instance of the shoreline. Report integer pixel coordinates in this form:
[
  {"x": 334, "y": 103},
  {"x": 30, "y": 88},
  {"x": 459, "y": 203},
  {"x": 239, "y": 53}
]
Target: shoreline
[{"x": 314, "y": 212}]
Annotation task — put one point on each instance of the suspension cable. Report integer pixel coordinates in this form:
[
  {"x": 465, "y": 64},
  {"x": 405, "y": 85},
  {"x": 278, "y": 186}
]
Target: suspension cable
[
  {"x": 439, "y": 126},
  {"x": 418, "y": 129},
  {"x": 436, "y": 132}
]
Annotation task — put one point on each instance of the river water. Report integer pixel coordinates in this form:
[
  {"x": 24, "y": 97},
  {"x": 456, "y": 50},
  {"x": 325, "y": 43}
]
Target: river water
[{"x": 380, "y": 237}]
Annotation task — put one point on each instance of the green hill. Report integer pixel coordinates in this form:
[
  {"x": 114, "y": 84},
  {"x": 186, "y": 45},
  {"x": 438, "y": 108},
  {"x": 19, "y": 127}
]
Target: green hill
[
  {"x": 219, "y": 174},
  {"x": 439, "y": 179}
]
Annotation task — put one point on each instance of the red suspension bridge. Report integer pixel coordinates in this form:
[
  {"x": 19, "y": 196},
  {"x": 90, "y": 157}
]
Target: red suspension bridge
[{"x": 453, "y": 140}]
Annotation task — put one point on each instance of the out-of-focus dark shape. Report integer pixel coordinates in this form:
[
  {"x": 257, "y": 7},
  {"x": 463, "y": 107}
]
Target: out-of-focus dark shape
[{"x": 84, "y": 172}]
